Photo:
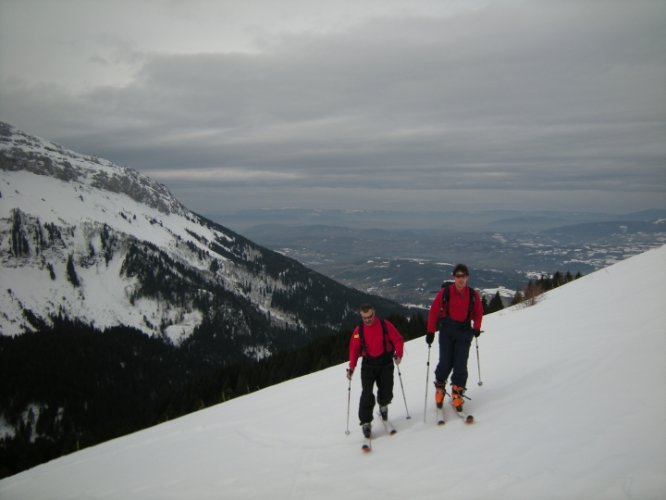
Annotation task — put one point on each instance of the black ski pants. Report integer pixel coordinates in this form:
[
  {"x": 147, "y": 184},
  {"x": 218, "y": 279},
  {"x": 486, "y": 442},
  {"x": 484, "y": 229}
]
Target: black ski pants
[
  {"x": 454, "y": 343},
  {"x": 375, "y": 371}
]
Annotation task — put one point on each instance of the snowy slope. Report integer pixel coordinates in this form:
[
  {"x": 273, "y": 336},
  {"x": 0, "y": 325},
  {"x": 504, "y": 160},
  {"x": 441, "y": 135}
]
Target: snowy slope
[
  {"x": 53, "y": 201},
  {"x": 571, "y": 406},
  {"x": 141, "y": 259},
  {"x": 43, "y": 184}
]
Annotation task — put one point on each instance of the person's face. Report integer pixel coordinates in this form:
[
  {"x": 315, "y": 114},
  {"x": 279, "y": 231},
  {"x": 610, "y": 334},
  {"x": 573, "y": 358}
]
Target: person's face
[
  {"x": 368, "y": 316},
  {"x": 461, "y": 280}
]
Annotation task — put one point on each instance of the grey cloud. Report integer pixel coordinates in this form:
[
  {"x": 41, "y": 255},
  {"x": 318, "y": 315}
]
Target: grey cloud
[{"x": 559, "y": 96}]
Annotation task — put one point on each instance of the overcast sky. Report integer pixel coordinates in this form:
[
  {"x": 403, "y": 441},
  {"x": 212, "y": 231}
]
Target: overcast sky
[{"x": 373, "y": 104}]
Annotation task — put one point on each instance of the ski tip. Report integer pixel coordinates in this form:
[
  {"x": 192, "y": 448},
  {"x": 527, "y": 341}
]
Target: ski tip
[
  {"x": 393, "y": 431},
  {"x": 441, "y": 422},
  {"x": 366, "y": 448},
  {"x": 469, "y": 419}
]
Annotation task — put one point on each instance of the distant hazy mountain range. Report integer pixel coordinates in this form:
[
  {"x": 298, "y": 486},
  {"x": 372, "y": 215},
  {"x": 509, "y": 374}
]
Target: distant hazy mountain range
[{"x": 476, "y": 221}]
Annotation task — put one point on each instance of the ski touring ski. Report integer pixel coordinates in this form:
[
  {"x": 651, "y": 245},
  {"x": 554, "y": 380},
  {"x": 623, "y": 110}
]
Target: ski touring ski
[
  {"x": 466, "y": 417},
  {"x": 366, "y": 447},
  {"x": 463, "y": 415},
  {"x": 367, "y": 437},
  {"x": 388, "y": 426},
  {"x": 440, "y": 416}
]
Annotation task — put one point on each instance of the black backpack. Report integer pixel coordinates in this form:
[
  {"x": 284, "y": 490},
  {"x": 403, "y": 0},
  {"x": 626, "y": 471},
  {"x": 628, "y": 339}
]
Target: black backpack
[
  {"x": 446, "y": 297},
  {"x": 385, "y": 337}
]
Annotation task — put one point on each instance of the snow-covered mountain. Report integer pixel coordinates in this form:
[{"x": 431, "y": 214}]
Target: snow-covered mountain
[
  {"x": 571, "y": 406},
  {"x": 85, "y": 239}
]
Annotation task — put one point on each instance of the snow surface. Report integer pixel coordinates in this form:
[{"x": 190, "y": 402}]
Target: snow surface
[
  {"x": 102, "y": 298},
  {"x": 570, "y": 408}
]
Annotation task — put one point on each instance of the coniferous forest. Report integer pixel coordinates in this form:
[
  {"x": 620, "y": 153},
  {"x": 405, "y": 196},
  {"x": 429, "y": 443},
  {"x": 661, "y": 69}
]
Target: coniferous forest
[{"x": 82, "y": 386}]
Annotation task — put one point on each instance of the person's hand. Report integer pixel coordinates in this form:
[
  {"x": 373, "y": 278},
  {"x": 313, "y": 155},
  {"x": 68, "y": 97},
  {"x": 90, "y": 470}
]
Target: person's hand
[
  {"x": 430, "y": 337},
  {"x": 477, "y": 333},
  {"x": 350, "y": 373},
  {"x": 397, "y": 360}
]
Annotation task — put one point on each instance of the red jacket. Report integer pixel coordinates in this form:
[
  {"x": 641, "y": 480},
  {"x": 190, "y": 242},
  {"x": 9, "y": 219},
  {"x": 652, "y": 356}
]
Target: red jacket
[
  {"x": 458, "y": 308},
  {"x": 373, "y": 337}
]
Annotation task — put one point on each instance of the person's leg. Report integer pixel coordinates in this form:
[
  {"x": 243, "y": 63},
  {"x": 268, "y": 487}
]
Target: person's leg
[
  {"x": 460, "y": 347},
  {"x": 445, "y": 363},
  {"x": 367, "y": 402},
  {"x": 385, "y": 389},
  {"x": 463, "y": 340}
]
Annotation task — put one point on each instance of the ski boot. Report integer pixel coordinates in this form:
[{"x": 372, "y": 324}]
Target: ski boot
[
  {"x": 367, "y": 429},
  {"x": 440, "y": 392},
  {"x": 457, "y": 397},
  {"x": 383, "y": 411}
]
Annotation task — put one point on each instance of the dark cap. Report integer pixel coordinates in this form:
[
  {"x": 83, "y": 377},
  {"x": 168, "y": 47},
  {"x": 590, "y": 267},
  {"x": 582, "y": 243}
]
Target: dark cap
[{"x": 460, "y": 268}]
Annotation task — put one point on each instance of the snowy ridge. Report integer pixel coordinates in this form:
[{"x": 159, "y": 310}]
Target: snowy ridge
[
  {"x": 86, "y": 239},
  {"x": 25, "y": 152},
  {"x": 571, "y": 406},
  {"x": 45, "y": 185},
  {"x": 41, "y": 200},
  {"x": 81, "y": 238}
]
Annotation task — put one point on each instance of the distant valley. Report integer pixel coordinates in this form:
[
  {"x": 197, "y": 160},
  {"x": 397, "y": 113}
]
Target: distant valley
[{"x": 409, "y": 265}]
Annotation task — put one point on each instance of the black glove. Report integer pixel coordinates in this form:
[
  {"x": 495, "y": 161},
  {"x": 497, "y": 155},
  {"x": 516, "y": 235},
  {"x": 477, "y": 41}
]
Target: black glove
[
  {"x": 429, "y": 338},
  {"x": 477, "y": 333},
  {"x": 350, "y": 372}
]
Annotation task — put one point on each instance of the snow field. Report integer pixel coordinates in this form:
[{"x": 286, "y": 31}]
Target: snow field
[{"x": 570, "y": 407}]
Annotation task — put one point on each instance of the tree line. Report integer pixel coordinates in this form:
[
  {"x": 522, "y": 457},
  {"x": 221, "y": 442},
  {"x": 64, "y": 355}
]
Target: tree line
[
  {"x": 531, "y": 291},
  {"x": 70, "y": 386}
]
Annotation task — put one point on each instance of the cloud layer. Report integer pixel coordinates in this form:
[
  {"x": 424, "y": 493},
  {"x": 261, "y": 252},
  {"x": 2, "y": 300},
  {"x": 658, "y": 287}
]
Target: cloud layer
[{"x": 488, "y": 104}]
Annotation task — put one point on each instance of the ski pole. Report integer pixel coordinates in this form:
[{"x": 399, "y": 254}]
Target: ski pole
[
  {"x": 425, "y": 407},
  {"x": 478, "y": 363},
  {"x": 348, "y": 402},
  {"x": 403, "y": 392}
]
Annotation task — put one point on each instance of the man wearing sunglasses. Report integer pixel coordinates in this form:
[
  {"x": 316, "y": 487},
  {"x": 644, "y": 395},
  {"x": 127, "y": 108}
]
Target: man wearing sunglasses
[{"x": 456, "y": 312}]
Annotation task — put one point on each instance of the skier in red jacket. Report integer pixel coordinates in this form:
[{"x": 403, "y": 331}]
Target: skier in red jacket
[
  {"x": 456, "y": 312},
  {"x": 380, "y": 344}
]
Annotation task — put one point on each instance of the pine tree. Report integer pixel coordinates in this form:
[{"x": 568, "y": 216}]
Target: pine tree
[
  {"x": 496, "y": 304},
  {"x": 486, "y": 305},
  {"x": 19, "y": 243},
  {"x": 71, "y": 272}
]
